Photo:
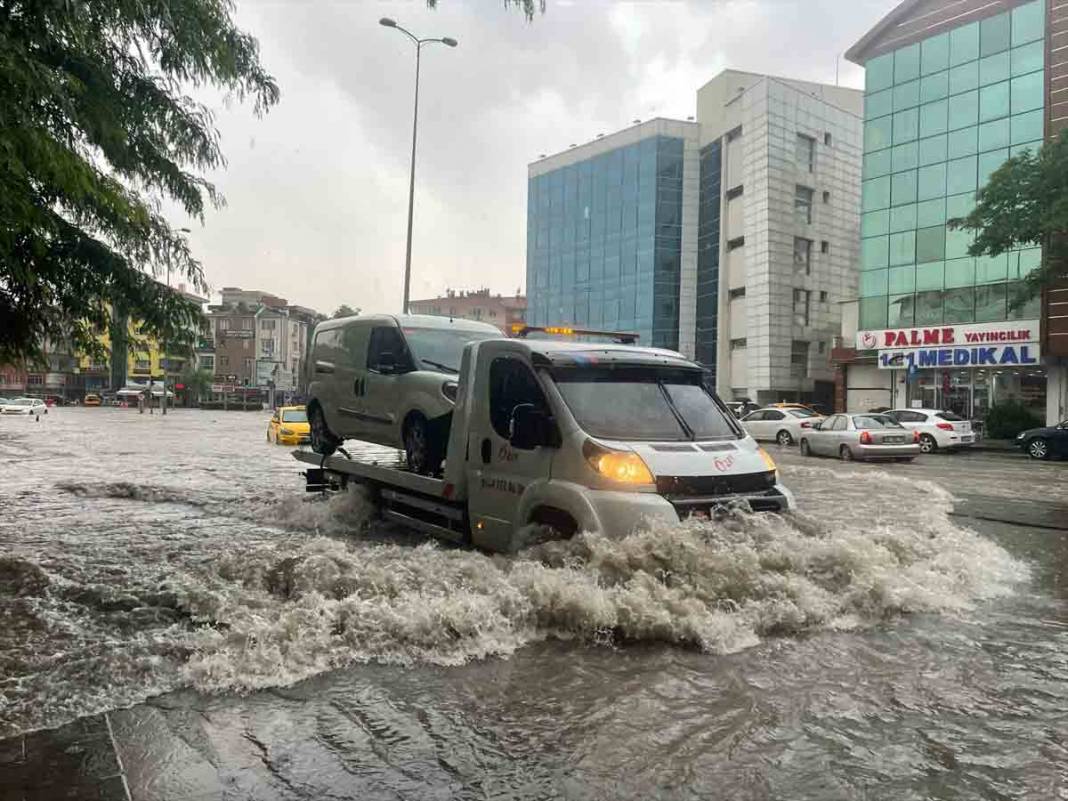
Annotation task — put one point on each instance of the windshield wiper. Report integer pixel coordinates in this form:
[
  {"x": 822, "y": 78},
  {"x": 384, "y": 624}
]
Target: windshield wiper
[
  {"x": 439, "y": 364},
  {"x": 675, "y": 411}
]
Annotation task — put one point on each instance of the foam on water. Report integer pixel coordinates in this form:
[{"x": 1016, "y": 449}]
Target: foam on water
[{"x": 275, "y": 615}]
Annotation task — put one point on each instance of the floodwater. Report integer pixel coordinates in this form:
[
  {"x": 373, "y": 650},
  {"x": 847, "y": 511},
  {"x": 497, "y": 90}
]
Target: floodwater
[{"x": 872, "y": 645}]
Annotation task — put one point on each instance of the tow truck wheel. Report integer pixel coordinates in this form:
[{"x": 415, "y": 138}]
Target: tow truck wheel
[
  {"x": 784, "y": 438},
  {"x": 323, "y": 440},
  {"x": 420, "y": 448},
  {"x": 927, "y": 444}
]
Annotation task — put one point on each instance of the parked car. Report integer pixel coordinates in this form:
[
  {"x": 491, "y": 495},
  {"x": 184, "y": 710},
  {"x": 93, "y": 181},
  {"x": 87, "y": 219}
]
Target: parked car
[
  {"x": 782, "y": 425},
  {"x": 861, "y": 436},
  {"x": 24, "y": 406},
  {"x": 289, "y": 426},
  {"x": 938, "y": 428},
  {"x": 1044, "y": 443},
  {"x": 91, "y": 400},
  {"x": 390, "y": 380}
]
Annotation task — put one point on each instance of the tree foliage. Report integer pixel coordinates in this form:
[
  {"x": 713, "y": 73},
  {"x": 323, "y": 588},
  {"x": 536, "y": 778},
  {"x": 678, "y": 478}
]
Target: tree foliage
[
  {"x": 528, "y": 6},
  {"x": 96, "y": 129},
  {"x": 344, "y": 310},
  {"x": 1026, "y": 204}
]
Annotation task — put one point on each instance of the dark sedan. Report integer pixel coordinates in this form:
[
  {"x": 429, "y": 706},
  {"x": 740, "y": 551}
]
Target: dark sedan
[{"x": 1044, "y": 443}]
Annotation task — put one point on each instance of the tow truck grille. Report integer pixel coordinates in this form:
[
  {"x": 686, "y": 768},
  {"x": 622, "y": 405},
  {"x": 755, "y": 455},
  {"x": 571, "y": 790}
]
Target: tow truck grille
[{"x": 678, "y": 487}]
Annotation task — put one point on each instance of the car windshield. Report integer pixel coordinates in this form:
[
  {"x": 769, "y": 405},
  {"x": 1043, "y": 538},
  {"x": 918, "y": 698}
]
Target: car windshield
[
  {"x": 802, "y": 413},
  {"x": 865, "y": 422},
  {"x": 21, "y": 402},
  {"x": 440, "y": 348},
  {"x": 949, "y": 416},
  {"x": 642, "y": 403},
  {"x": 294, "y": 416}
]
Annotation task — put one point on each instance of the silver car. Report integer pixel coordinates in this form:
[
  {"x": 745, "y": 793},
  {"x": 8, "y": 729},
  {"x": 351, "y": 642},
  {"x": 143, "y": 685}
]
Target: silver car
[{"x": 861, "y": 436}]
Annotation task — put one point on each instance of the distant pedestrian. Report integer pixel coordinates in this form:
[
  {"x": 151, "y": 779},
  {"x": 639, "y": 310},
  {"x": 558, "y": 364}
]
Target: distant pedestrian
[{"x": 141, "y": 403}]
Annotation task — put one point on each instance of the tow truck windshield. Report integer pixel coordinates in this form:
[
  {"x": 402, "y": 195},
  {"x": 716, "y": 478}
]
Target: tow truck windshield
[
  {"x": 642, "y": 403},
  {"x": 440, "y": 349}
]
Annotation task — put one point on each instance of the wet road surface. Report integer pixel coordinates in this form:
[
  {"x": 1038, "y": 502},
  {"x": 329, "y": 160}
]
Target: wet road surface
[{"x": 888, "y": 641}]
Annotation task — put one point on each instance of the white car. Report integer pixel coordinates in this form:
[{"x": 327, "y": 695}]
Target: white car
[
  {"x": 390, "y": 380},
  {"x": 782, "y": 425},
  {"x": 24, "y": 406},
  {"x": 937, "y": 428}
]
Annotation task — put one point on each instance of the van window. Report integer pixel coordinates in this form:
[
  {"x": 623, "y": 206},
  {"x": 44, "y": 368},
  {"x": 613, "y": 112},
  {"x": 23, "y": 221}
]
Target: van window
[
  {"x": 511, "y": 384},
  {"x": 328, "y": 345},
  {"x": 386, "y": 339},
  {"x": 441, "y": 348},
  {"x": 642, "y": 403}
]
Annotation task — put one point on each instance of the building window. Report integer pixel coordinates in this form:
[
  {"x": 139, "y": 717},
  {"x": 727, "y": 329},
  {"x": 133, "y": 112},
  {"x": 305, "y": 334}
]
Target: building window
[
  {"x": 224, "y": 325},
  {"x": 267, "y": 347},
  {"x": 34, "y": 379},
  {"x": 246, "y": 323},
  {"x": 224, "y": 361},
  {"x": 803, "y": 205},
  {"x": 738, "y": 292},
  {"x": 802, "y": 255},
  {"x": 267, "y": 325},
  {"x": 825, "y": 246},
  {"x": 826, "y": 197},
  {"x": 737, "y": 242},
  {"x": 827, "y": 139},
  {"x": 823, "y": 297},
  {"x": 738, "y": 344},
  {"x": 735, "y": 192},
  {"x": 801, "y": 306},
  {"x": 806, "y": 153},
  {"x": 245, "y": 344},
  {"x": 798, "y": 359},
  {"x": 248, "y": 365},
  {"x": 734, "y": 133},
  {"x": 822, "y": 347}
]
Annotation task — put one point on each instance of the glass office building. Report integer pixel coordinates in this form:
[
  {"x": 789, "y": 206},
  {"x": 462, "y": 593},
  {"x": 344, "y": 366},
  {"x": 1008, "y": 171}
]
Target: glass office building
[
  {"x": 604, "y": 235},
  {"x": 941, "y": 115}
]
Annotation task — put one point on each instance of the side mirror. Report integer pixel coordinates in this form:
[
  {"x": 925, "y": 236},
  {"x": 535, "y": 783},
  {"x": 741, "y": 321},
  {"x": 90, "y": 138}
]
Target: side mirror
[
  {"x": 530, "y": 428},
  {"x": 387, "y": 363}
]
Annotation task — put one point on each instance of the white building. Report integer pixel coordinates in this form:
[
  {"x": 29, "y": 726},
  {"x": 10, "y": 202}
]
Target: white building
[{"x": 785, "y": 156}]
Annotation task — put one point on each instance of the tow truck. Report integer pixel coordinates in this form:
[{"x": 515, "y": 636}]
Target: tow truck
[{"x": 572, "y": 436}]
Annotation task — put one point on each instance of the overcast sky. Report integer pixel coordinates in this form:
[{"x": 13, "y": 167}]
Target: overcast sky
[{"x": 317, "y": 190}]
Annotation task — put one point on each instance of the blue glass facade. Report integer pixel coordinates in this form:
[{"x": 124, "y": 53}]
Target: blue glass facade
[
  {"x": 708, "y": 236},
  {"x": 604, "y": 242}
]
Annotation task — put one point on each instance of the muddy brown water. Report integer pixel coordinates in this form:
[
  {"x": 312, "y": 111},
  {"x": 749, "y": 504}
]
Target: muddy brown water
[{"x": 873, "y": 644}]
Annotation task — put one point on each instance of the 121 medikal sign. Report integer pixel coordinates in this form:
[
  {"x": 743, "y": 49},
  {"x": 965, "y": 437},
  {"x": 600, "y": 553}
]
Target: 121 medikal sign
[{"x": 1012, "y": 343}]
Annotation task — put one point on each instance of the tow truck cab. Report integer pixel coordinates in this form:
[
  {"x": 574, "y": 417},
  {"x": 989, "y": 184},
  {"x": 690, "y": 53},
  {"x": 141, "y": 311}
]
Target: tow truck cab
[{"x": 581, "y": 437}]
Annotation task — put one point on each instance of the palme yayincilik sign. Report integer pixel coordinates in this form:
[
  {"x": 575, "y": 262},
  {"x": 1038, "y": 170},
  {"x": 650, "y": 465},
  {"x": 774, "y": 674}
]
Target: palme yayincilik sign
[{"x": 1012, "y": 343}]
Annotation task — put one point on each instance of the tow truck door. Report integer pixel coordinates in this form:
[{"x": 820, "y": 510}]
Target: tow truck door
[{"x": 499, "y": 471}]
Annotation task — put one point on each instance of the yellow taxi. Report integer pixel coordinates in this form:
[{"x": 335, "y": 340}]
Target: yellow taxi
[
  {"x": 92, "y": 400},
  {"x": 289, "y": 426}
]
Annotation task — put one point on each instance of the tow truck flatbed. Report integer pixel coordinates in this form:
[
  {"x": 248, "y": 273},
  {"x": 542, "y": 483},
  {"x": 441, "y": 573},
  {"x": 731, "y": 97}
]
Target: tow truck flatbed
[{"x": 422, "y": 502}]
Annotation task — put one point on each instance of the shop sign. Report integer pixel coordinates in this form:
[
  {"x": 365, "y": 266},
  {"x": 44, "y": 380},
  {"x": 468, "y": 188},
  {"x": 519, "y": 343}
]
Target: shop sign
[
  {"x": 972, "y": 334},
  {"x": 237, "y": 333},
  {"x": 962, "y": 357}
]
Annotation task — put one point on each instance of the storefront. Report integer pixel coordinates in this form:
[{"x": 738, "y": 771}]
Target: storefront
[{"x": 964, "y": 368}]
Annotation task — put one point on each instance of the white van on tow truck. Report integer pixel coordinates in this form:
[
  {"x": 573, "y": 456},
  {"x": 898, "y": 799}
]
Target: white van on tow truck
[{"x": 575, "y": 436}]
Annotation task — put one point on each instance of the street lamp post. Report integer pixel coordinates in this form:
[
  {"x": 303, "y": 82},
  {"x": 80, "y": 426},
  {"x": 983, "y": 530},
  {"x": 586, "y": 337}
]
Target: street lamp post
[{"x": 389, "y": 23}]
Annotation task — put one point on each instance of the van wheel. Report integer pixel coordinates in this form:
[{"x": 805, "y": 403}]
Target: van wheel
[
  {"x": 928, "y": 444},
  {"x": 421, "y": 448},
  {"x": 784, "y": 438},
  {"x": 323, "y": 440}
]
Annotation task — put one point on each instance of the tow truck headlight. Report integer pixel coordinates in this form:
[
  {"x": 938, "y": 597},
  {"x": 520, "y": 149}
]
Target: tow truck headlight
[
  {"x": 767, "y": 459},
  {"x": 450, "y": 389},
  {"x": 626, "y": 467}
]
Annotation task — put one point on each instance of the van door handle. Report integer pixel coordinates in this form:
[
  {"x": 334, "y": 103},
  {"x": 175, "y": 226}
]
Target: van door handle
[{"x": 324, "y": 367}]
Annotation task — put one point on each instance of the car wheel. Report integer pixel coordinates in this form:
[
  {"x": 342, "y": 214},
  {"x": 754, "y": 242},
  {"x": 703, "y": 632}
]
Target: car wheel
[
  {"x": 805, "y": 450},
  {"x": 1038, "y": 448},
  {"x": 927, "y": 444},
  {"x": 845, "y": 453},
  {"x": 784, "y": 438},
  {"x": 323, "y": 440},
  {"x": 421, "y": 449}
]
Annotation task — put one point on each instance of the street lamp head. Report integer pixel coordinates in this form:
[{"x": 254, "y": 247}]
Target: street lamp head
[
  {"x": 449, "y": 42},
  {"x": 387, "y": 22}
]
